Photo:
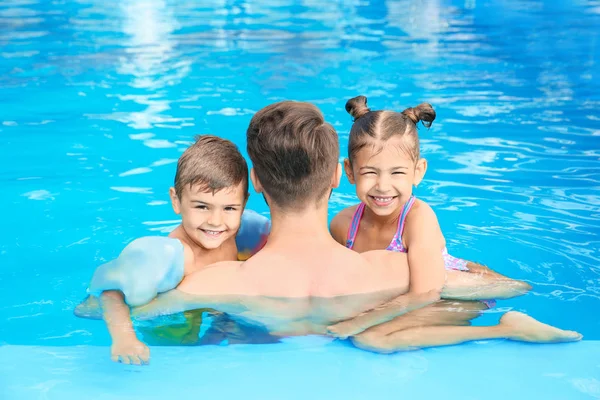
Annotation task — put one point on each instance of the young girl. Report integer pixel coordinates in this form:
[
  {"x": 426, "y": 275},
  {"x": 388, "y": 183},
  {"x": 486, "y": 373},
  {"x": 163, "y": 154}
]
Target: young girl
[{"x": 384, "y": 164}]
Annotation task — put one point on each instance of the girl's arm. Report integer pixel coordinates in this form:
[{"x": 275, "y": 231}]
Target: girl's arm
[
  {"x": 428, "y": 278},
  {"x": 425, "y": 242},
  {"x": 339, "y": 225}
]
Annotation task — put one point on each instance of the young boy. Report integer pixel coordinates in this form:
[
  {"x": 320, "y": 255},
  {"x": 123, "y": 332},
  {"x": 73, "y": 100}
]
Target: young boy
[{"x": 210, "y": 193}]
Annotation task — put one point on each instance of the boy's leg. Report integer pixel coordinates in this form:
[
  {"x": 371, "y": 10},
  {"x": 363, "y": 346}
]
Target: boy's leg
[{"x": 513, "y": 325}]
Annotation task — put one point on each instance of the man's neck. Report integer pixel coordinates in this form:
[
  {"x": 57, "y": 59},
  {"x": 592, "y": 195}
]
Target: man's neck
[{"x": 306, "y": 225}]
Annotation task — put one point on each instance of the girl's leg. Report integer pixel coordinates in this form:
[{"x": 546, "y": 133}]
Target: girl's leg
[
  {"x": 483, "y": 269},
  {"x": 513, "y": 325},
  {"x": 463, "y": 285},
  {"x": 442, "y": 313}
]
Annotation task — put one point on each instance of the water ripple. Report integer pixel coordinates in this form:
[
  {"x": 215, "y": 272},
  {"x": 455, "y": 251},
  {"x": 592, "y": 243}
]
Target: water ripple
[{"x": 100, "y": 98}]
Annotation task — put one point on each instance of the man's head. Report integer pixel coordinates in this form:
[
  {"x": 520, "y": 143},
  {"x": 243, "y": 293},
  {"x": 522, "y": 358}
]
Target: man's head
[
  {"x": 211, "y": 189},
  {"x": 294, "y": 153}
]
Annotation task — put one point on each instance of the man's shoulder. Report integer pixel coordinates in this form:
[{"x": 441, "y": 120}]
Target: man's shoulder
[
  {"x": 219, "y": 278},
  {"x": 348, "y": 272}
]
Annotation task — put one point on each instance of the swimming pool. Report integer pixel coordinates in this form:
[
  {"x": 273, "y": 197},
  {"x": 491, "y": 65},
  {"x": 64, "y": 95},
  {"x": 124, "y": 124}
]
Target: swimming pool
[{"x": 99, "y": 99}]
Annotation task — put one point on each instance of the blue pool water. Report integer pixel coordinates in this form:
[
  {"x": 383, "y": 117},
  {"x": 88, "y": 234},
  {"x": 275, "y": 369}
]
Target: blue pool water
[{"x": 99, "y": 99}]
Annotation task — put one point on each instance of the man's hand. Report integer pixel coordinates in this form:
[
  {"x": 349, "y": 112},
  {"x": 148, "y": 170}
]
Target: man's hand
[
  {"x": 345, "y": 329},
  {"x": 130, "y": 351},
  {"x": 383, "y": 313}
]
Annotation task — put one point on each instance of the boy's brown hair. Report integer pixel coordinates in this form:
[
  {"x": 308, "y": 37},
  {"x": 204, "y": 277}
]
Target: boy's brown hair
[
  {"x": 294, "y": 152},
  {"x": 213, "y": 164}
]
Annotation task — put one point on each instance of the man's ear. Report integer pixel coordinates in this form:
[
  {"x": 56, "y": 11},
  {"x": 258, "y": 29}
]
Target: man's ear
[
  {"x": 420, "y": 170},
  {"x": 175, "y": 203},
  {"x": 255, "y": 182},
  {"x": 337, "y": 176},
  {"x": 348, "y": 170}
]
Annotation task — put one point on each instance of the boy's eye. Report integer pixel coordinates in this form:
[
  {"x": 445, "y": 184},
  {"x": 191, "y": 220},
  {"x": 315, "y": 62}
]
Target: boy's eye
[
  {"x": 201, "y": 207},
  {"x": 230, "y": 209},
  {"x": 369, "y": 173},
  {"x": 399, "y": 173}
]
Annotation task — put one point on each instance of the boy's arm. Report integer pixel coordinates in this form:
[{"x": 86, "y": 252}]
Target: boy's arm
[
  {"x": 145, "y": 266},
  {"x": 125, "y": 345}
]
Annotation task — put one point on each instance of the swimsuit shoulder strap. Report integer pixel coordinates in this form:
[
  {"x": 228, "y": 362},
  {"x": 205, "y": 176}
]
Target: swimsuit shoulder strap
[
  {"x": 353, "y": 230},
  {"x": 402, "y": 219}
]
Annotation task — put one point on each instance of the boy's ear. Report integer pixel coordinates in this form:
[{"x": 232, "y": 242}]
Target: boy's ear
[
  {"x": 349, "y": 172},
  {"x": 420, "y": 170},
  {"x": 255, "y": 182},
  {"x": 175, "y": 203},
  {"x": 337, "y": 176}
]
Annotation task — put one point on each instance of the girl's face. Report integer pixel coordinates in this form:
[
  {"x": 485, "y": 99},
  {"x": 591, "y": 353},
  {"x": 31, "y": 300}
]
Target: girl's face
[{"x": 384, "y": 174}]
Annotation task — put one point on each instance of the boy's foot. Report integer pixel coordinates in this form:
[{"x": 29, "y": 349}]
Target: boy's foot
[
  {"x": 89, "y": 308},
  {"x": 524, "y": 328}
]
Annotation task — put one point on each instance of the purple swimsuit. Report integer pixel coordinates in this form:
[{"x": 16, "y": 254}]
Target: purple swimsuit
[{"x": 450, "y": 262}]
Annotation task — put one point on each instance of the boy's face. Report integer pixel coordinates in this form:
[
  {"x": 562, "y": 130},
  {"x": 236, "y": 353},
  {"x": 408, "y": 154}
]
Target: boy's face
[{"x": 210, "y": 219}]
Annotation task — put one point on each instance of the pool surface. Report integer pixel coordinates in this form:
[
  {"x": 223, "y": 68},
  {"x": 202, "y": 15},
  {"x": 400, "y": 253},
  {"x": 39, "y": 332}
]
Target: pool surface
[{"x": 100, "y": 98}]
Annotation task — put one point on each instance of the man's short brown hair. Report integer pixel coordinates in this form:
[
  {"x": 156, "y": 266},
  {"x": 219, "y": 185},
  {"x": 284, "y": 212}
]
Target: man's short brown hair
[
  {"x": 213, "y": 164},
  {"x": 294, "y": 152}
]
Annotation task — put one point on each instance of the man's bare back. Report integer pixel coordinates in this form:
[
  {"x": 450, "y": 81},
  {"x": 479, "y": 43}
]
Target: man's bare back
[{"x": 288, "y": 291}]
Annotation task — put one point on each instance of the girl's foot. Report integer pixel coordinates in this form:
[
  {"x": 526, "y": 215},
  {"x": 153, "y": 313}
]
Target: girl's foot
[{"x": 526, "y": 329}]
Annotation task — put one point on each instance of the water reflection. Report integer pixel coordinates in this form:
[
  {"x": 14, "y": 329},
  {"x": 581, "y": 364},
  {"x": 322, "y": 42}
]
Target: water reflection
[{"x": 151, "y": 59}]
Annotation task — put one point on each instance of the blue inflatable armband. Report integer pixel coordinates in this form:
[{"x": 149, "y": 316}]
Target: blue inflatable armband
[
  {"x": 253, "y": 234},
  {"x": 147, "y": 266},
  {"x": 155, "y": 264}
]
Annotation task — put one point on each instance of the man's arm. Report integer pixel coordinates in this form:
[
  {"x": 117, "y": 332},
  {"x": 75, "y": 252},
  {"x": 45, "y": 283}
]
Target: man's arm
[{"x": 218, "y": 286}]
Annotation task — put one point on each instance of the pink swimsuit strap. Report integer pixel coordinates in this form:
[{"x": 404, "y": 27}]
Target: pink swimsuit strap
[{"x": 396, "y": 243}]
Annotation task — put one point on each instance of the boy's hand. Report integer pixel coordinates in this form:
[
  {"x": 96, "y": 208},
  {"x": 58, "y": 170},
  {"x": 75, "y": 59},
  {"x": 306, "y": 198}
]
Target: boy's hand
[{"x": 130, "y": 351}]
